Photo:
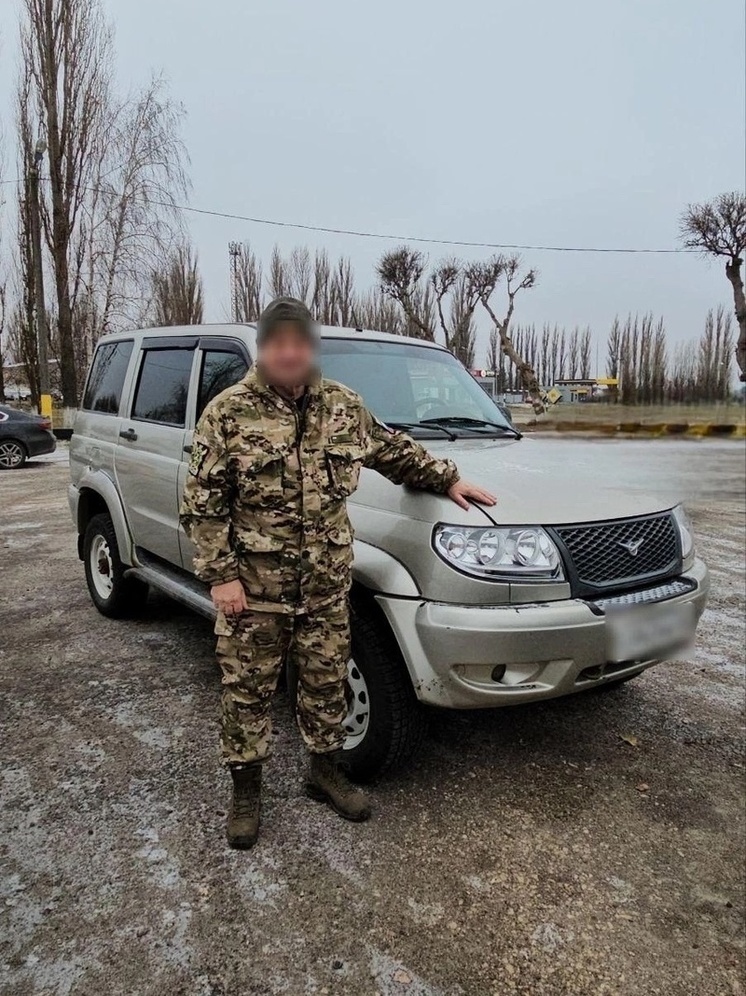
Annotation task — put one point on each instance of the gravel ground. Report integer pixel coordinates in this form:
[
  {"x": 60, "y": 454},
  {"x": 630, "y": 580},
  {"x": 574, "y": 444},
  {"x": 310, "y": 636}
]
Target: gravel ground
[{"x": 587, "y": 846}]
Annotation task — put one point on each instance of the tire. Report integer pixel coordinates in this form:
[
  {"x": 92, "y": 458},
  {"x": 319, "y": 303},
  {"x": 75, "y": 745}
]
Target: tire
[
  {"x": 12, "y": 454},
  {"x": 112, "y": 593},
  {"x": 389, "y": 723}
]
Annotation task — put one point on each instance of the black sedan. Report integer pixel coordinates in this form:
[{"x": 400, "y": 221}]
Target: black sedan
[{"x": 22, "y": 436}]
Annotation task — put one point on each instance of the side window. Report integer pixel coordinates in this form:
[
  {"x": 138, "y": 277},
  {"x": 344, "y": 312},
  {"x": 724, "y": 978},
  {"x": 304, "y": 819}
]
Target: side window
[
  {"x": 220, "y": 369},
  {"x": 106, "y": 379},
  {"x": 163, "y": 386}
]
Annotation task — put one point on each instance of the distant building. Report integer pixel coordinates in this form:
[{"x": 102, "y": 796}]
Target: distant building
[
  {"x": 491, "y": 385},
  {"x": 573, "y": 389}
]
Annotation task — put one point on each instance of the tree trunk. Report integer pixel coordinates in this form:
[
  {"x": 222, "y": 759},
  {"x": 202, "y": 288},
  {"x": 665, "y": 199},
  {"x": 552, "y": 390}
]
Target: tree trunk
[
  {"x": 525, "y": 370},
  {"x": 733, "y": 273}
]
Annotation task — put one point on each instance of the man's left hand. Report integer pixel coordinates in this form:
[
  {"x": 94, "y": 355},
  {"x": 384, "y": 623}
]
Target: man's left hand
[{"x": 462, "y": 492}]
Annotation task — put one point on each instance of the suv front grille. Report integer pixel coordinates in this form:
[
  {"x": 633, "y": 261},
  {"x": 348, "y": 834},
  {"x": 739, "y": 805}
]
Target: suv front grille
[{"x": 622, "y": 553}]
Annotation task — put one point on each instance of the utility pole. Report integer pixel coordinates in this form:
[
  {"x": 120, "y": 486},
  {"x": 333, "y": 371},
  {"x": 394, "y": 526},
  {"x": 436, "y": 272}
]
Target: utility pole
[{"x": 42, "y": 332}]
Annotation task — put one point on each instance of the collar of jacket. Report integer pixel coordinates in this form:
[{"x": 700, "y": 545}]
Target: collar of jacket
[{"x": 255, "y": 381}]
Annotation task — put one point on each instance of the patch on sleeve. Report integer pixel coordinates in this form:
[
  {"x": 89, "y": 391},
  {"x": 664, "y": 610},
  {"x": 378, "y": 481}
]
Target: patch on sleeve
[{"x": 197, "y": 459}]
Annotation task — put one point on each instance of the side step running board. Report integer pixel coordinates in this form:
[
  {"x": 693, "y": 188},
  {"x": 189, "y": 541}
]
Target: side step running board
[{"x": 182, "y": 589}]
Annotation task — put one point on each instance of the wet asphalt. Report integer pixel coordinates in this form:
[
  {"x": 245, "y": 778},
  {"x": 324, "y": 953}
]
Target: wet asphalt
[{"x": 592, "y": 845}]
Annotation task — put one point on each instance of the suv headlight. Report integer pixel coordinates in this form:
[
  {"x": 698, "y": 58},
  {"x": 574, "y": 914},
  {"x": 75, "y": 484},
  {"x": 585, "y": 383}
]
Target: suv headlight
[
  {"x": 524, "y": 553},
  {"x": 686, "y": 533}
]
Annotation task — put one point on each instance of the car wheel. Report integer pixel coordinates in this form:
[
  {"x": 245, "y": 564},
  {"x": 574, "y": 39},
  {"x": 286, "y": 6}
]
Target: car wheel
[
  {"x": 385, "y": 723},
  {"x": 12, "y": 454},
  {"x": 113, "y": 593}
]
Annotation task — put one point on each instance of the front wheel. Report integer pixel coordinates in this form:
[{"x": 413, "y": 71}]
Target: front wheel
[
  {"x": 113, "y": 593},
  {"x": 385, "y": 723}
]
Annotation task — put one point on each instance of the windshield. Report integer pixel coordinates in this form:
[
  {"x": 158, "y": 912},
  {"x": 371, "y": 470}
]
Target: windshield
[{"x": 408, "y": 384}]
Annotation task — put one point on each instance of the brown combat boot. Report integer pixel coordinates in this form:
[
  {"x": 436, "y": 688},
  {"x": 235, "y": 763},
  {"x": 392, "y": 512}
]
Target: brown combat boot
[
  {"x": 327, "y": 782},
  {"x": 243, "y": 818}
]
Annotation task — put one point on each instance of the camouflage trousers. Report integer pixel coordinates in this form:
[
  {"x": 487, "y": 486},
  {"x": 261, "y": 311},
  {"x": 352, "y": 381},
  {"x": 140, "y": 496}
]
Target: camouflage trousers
[{"x": 251, "y": 651}]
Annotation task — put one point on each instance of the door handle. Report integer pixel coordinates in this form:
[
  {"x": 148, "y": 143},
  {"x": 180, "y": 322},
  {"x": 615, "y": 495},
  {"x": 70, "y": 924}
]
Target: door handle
[
  {"x": 128, "y": 434},
  {"x": 188, "y": 448}
]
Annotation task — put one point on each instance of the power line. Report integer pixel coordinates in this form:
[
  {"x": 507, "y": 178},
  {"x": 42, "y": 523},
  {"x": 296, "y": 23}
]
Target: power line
[
  {"x": 354, "y": 233},
  {"x": 414, "y": 238}
]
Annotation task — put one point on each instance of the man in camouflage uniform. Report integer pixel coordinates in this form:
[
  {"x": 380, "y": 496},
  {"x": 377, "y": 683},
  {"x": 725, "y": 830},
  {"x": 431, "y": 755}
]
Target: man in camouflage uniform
[{"x": 274, "y": 459}]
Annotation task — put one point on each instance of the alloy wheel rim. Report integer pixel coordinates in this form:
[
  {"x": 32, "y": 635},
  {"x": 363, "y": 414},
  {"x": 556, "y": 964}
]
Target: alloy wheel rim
[
  {"x": 11, "y": 454},
  {"x": 357, "y": 720},
  {"x": 102, "y": 568}
]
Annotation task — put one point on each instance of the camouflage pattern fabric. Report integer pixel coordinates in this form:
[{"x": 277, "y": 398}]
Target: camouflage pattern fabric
[
  {"x": 251, "y": 650},
  {"x": 265, "y": 502}
]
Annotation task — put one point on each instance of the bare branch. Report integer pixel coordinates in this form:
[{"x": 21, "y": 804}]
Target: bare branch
[{"x": 177, "y": 290}]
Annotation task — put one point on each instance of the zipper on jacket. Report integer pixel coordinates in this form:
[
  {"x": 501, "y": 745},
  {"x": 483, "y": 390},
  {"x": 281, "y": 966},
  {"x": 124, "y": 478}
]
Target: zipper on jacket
[
  {"x": 299, "y": 414},
  {"x": 299, "y": 417}
]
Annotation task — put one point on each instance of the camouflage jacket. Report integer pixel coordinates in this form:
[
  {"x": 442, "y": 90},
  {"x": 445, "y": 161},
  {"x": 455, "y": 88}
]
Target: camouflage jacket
[{"x": 265, "y": 494}]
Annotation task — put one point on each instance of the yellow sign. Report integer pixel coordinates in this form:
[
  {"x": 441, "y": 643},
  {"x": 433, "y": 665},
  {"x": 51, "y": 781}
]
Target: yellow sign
[
  {"x": 45, "y": 406},
  {"x": 553, "y": 395},
  {"x": 607, "y": 381}
]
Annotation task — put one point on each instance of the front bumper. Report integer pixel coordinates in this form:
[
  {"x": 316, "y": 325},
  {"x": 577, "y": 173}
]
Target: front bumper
[{"x": 455, "y": 653}]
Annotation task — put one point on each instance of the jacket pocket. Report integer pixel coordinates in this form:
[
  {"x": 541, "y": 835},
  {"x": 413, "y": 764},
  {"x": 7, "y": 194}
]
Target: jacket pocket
[
  {"x": 343, "y": 464},
  {"x": 259, "y": 477}
]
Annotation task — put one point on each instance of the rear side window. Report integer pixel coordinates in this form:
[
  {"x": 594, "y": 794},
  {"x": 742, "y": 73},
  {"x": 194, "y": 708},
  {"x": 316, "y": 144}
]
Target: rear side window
[
  {"x": 220, "y": 369},
  {"x": 106, "y": 379},
  {"x": 163, "y": 386}
]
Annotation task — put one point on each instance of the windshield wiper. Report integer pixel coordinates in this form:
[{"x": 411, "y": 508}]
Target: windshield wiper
[
  {"x": 426, "y": 424},
  {"x": 467, "y": 421}
]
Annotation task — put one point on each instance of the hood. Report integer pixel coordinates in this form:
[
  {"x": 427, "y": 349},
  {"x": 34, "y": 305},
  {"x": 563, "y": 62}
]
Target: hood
[{"x": 550, "y": 481}]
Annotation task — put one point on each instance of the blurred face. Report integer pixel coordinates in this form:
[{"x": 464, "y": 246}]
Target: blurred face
[{"x": 288, "y": 357}]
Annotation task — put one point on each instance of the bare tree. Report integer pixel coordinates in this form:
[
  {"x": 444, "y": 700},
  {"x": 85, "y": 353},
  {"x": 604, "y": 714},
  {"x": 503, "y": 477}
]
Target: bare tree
[
  {"x": 130, "y": 218},
  {"x": 714, "y": 359},
  {"x": 279, "y": 279},
  {"x": 545, "y": 354},
  {"x": 613, "y": 355},
  {"x": 682, "y": 385},
  {"x": 659, "y": 364},
  {"x": 718, "y": 228},
  {"x": 400, "y": 273},
  {"x": 299, "y": 274},
  {"x": 442, "y": 280},
  {"x": 177, "y": 290},
  {"x": 323, "y": 304},
  {"x": 22, "y": 318},
  {"x": 65, "y": 53},
  {"x": 461, "y": 285},
  {"x": 247, "y": 283},
  {"x": 492, "y": 357},
  {"x": 464, "y": 300},
  {"x": 374, "y": 310},
  {"x": 508, "y": 268},
  {"x": 573, "y": 353},
  {"x": 116, "y": 171},
  {"x": 585, "y": 353},
  {"x": 343, "y": 292}
]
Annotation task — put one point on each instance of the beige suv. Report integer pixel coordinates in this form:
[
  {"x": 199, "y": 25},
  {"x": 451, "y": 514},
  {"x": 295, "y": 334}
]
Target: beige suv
[{"x": 558, "y": 589}]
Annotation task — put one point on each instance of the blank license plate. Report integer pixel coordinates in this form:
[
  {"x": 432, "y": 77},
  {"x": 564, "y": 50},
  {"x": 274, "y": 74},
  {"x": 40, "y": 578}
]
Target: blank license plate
[{"x": 644, "y": 632}]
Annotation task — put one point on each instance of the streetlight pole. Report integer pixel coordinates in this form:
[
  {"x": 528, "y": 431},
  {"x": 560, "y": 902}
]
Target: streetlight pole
[
  {"x": 42, "y": 332},
  {"x": 234, "y": 250}
]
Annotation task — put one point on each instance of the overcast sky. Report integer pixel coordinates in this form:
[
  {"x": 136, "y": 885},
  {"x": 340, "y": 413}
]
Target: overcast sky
[{"x": 583, "y": 123}]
